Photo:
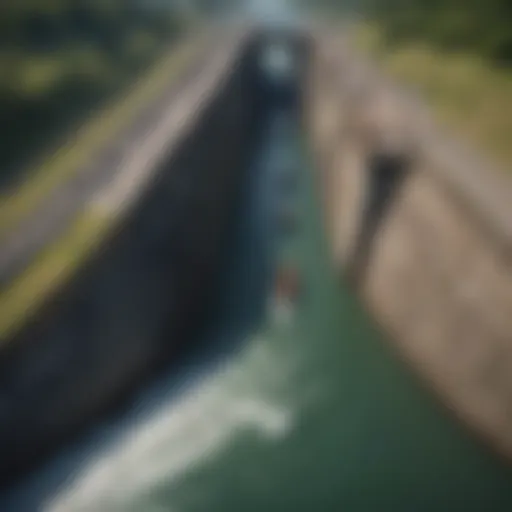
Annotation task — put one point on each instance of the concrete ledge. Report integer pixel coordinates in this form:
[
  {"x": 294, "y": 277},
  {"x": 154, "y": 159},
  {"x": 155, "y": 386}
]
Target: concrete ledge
[{"x": 425, "y": 240}]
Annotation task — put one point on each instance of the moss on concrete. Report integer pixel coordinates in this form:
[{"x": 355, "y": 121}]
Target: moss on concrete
[{"x": 54, "y": 266}]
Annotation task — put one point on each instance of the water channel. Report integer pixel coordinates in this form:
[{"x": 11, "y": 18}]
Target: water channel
[{"x": 312, "y": 415}]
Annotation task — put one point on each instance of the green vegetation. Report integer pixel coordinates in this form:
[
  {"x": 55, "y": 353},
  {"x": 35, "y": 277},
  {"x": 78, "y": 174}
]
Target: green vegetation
[
  {"x": 60, "y": 59},
  {"x": 68, "y": 82},
  {"x": 55, "y": 265},
  {"x": 89, "y": 137},
  {"x": 456, "y": 53},
  {"x": 59, "y": 261},
  {"x": 466, "y": 92},
  {"x": 479, "y": 27}
]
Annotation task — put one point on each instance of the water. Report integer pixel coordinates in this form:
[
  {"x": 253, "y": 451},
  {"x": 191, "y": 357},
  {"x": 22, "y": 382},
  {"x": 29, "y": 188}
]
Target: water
[{"x": 309, "y": 415}]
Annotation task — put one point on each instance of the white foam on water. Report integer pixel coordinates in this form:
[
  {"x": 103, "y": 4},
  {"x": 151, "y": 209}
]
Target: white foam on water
[
  {"x": 168, "y": 444},
  {"x": 281, "y": 311}
]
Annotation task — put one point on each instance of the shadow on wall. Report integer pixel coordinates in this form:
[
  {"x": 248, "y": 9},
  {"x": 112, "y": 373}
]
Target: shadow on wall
[
  {"x": 387, "y": 174},
  {"x": 143, "y": 298},
  {"x": 137, "y": 302}
]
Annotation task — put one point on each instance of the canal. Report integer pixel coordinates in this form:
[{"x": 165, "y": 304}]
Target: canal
[{"x": 311, "y": 414}]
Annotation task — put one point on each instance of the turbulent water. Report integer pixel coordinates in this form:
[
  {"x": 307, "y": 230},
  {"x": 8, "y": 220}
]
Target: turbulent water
[{"x": 308, "y": 414}]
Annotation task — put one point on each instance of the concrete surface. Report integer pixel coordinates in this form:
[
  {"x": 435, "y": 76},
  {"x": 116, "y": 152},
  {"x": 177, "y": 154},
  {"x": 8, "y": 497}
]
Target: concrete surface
[{"x": 423, "y": 232}]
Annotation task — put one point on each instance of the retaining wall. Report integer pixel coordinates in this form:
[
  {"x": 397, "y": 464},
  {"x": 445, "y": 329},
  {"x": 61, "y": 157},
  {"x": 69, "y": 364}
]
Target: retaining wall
[
  {"x": 140, "y": 298},
  {"x": 424, "y": 235}
]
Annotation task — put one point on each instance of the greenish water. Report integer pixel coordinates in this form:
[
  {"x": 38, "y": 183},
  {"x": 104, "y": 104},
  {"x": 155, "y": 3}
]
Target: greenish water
[{"x": 314, "y": 415}]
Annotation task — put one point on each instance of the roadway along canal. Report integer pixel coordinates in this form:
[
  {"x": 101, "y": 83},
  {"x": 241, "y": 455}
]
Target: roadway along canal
[{"x": 314, "y": 415}]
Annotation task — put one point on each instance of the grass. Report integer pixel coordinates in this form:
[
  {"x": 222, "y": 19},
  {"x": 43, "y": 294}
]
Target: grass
[
  {"x": 467, "y": 94},
  {"x": 90, "y": 138},
  {"x": 54, "y": 266},
  {"x": 59, "y": 261}
]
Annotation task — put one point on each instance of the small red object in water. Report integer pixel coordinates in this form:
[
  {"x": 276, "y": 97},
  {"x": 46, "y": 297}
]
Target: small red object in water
[{"x": 288, "y": 283}]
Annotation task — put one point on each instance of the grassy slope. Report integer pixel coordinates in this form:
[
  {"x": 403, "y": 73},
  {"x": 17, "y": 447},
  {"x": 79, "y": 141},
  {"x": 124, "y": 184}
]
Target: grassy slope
[
  {"x": 466, "y": 94},
  {"x": 95, "y": 133},
  {"x": 57, "y": 263}
]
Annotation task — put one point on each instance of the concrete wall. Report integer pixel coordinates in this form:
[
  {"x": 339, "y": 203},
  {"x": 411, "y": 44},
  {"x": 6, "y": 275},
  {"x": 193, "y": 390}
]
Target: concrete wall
[
  {"x": 141, "y": 298},
  {"x": 425, "y": 240}
]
